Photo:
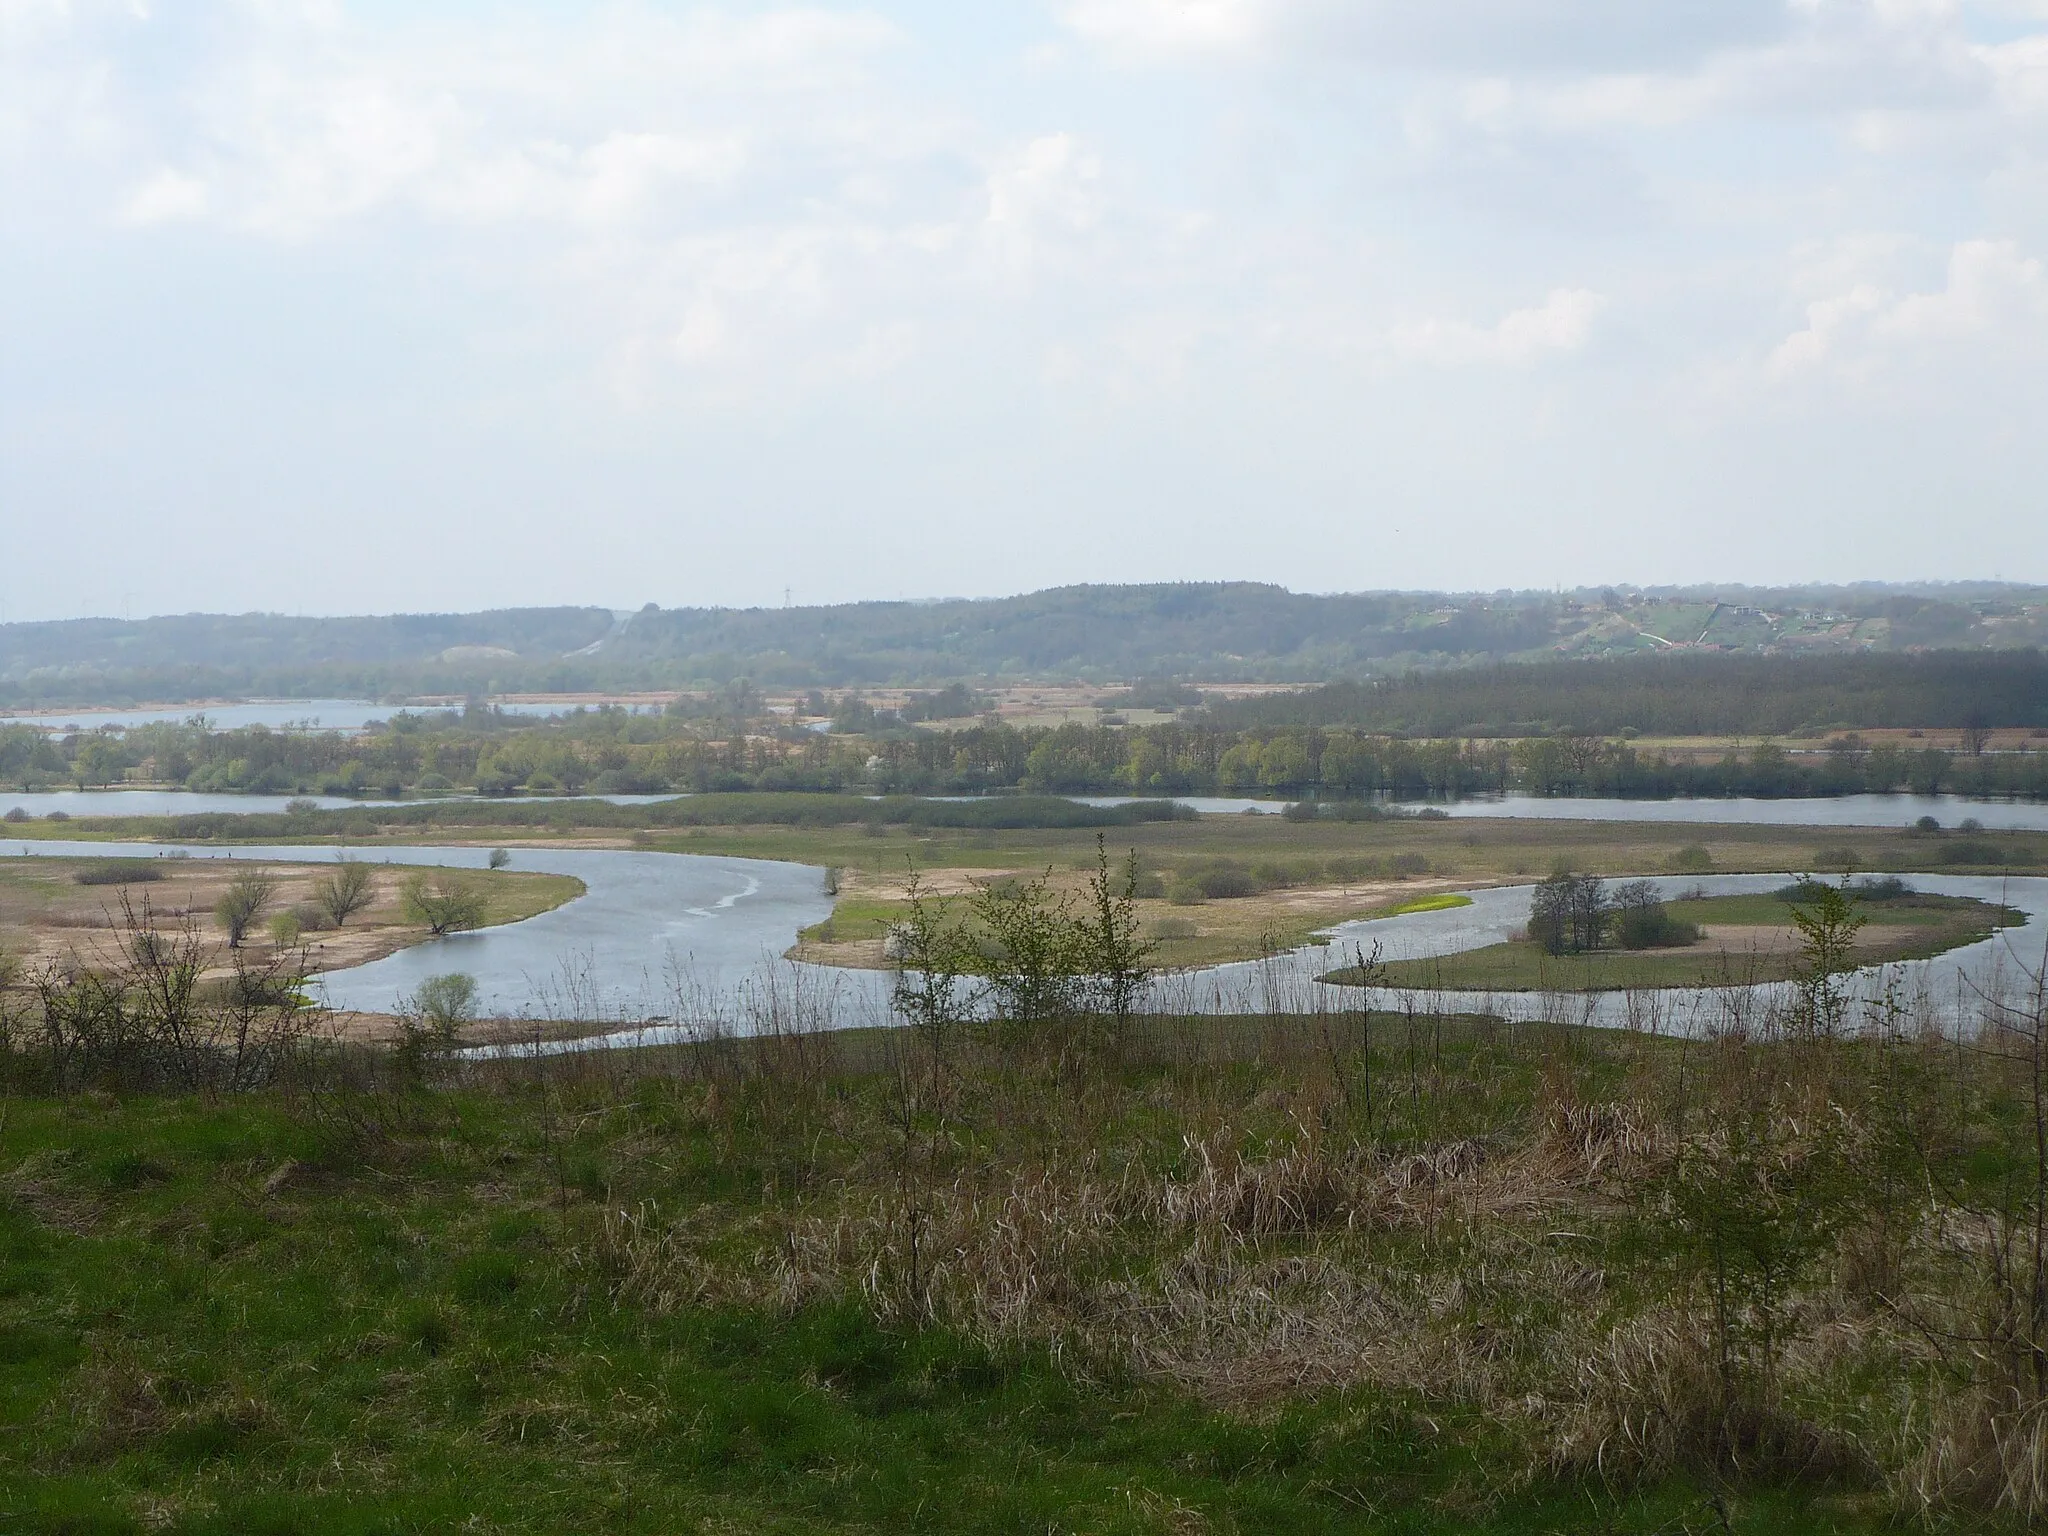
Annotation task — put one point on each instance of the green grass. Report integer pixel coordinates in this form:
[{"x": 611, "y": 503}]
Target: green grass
[
  {"x": 423, "y": 1341},
  {"x": 1913, "y": 928},
  {"x": 1443, "y": 901}
]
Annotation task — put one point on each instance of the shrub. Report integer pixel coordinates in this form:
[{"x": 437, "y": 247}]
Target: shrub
[
  {"x": 1173, "y": 928},
  {"x": 1222, "y": 881},
  {"x": 1692, "y": 859},
  {"x": 1803, "y": 890},
  {"x": 301, "y": 806},
  {"x": 58, "y": 816},
  {"x": 120, "y": 872},
  {"x": 17, "y": 815},
  {"x": 446, "y": 1002},
  {"x": 1973, "y": 852},
  {"x": 285, "y": 929},
  {"x": 500, "y": 857},
  {"x": 1927, "y": 824},
  {"x": 312, "y": 917},
  {"x": 1406, "y": 864}
]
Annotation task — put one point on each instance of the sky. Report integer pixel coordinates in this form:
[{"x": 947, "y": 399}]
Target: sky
[{"x": 319, "y": 307}]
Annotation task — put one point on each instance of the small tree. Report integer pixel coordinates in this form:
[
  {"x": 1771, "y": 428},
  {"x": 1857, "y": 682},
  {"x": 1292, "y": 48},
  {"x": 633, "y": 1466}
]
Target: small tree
[
  {"x": 934, "y": 958},
  {"x": 442, "y": 903},
  {"x": 1112, "y": 951},
  {"x": 1754, "y": 1200},
  {"x": 345, "y": 891},
  {"x": 245, "y": 900},
  {"x": 1033, "y": 958},
  {"x": 500, "y": 857},
  {"x": 430, "y": 1020},
  {"x": 1827, "y": 942}
]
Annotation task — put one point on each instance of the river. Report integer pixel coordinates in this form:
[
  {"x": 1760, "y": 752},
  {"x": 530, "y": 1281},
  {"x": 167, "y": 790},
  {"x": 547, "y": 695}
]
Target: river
[{"x": 668, "y": 939}]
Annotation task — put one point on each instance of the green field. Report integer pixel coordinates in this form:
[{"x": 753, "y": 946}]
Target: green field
[{"x": 1757, "y": 946}]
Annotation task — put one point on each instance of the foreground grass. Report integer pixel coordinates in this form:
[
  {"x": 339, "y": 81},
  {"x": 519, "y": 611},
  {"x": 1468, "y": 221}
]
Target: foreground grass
[
  {"x": 1750, "y": 941},
  {"x": 680, "y": 1290},
  {"x": 252, "y": 1317}
]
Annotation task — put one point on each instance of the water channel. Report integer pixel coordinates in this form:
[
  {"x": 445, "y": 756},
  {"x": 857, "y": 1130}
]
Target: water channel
[{"x": 667, "y": 939}]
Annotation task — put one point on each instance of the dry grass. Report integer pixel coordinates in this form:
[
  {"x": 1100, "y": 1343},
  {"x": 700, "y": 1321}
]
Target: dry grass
[{"x": 1490, "y": 1222}]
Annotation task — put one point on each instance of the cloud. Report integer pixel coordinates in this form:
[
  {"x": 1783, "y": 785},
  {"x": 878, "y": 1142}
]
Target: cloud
[
  {"x": 1041, "y": 198},
  {"x": 1171, "y": 26},
  {"x": 164, "y": 198},
  {"x": 1560, "y": 324},
  {"x": 1454, "y": 35},
  {"x": 1993, "y": 294}
]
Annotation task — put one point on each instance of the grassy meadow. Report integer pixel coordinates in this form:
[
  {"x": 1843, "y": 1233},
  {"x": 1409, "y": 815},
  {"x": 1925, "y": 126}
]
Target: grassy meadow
[{"x": 1746, "y": 940}]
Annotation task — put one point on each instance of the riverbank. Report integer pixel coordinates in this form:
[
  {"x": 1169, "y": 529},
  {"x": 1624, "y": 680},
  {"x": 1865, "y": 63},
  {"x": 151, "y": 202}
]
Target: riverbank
[{"x": 59, "y": 911}]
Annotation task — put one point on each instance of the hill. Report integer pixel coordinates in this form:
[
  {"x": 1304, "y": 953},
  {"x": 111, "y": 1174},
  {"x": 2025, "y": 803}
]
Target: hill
[{"x": 1210, "y": 632}]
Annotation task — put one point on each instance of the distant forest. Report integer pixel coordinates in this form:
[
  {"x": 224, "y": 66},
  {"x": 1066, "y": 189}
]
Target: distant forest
[
  {"x": 613, "y": 751},
  {"x": 1201, "y": 632},
  {"x": 1688, "y": 694}
]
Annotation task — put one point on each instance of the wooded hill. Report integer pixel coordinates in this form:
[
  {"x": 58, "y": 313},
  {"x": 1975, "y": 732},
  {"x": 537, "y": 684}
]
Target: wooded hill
[
  {"x": 1684, "y": 694},
  {"x": 1210, "y": 632}
]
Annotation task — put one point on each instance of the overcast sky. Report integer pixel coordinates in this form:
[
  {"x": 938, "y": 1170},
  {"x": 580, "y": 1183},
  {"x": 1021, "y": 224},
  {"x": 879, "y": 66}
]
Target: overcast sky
[{"x": 329, "y": 307}]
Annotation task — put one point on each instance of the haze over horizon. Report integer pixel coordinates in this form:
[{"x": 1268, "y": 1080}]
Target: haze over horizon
[{"x": 362, "y": 308}]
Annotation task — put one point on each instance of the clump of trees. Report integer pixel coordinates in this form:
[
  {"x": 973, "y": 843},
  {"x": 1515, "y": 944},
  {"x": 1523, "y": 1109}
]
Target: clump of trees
[{"x": 1574, "y": 914}]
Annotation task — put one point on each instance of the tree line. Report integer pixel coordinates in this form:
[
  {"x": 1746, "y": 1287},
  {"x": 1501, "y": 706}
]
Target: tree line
[{"x": 616, "y": 753}]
